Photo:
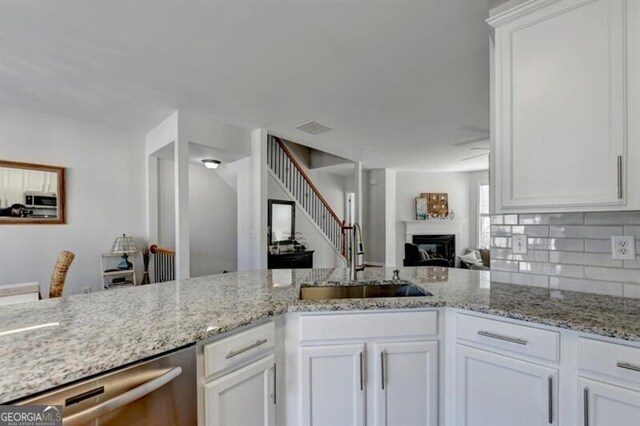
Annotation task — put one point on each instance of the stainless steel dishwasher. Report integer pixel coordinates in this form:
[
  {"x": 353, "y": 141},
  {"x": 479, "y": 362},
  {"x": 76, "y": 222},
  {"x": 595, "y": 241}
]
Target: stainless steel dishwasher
[{"x": 160, "y": 391}]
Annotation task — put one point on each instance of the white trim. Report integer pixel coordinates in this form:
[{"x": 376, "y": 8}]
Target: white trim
[
  {"x": 518, "y": 11},
  {"x": 483, "y": 182}
]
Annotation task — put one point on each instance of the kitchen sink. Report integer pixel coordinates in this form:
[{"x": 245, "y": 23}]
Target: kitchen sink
[{"x": 360, "y": 291}]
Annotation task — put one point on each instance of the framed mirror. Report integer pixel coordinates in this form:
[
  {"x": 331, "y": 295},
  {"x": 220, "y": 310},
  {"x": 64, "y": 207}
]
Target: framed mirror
[
  {"x": 31, "y": 193},
  {"x": 282, "y": 219}
]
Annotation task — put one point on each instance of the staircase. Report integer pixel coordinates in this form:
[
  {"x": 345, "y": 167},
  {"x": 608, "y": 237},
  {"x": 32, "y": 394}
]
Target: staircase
[{"x": 293, "y": 177}]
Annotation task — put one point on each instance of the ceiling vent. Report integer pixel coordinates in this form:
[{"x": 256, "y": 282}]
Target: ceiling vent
[{"x": 313, "y": 127}]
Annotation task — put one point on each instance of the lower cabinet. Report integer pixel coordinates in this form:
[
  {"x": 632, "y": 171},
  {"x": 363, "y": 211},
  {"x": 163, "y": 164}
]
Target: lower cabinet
[
  {"x": 500, "y": 390},
  {"x": 402, "y": 385},
  {"x": 244, "y": 397},
  {"x": 406, "y": 383},
  {"x": 607, "y": 404},
  {"x": 333, "y": 384},
  {"x": 239, "y": 378}
]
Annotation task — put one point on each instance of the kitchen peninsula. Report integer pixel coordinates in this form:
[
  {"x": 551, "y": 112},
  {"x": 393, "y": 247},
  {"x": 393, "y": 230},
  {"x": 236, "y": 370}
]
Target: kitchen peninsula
[{"x": 79, "y": 336}]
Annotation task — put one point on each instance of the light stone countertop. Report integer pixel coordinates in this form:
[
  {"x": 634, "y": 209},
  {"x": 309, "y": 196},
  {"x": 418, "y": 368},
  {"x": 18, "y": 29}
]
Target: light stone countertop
[
  {"x": 20, "y": 288},
  {"x": 52, "y": 342}
]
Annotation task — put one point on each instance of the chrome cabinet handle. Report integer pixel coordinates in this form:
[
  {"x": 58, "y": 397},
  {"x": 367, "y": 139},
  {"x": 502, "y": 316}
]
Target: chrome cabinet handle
[
  {"x": 620, "y": 195},
  {"x": 550, "y": 400},
  {"x": 628, "y": 366},
  {"x": 246, "y": 348},
  {"x": 123, "y": 399},
  {"x": 361, "y": 372},
  {"x": 275, "y": 381},
  {"x": 585, "y": 403},
  {"x": 501, "y": 337},
  {"x": 382, "y": 372}
]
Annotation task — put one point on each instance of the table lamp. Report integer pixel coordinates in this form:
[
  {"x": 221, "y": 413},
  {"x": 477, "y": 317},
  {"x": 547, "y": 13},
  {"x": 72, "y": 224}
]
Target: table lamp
[{"x": 124, "y": 245}]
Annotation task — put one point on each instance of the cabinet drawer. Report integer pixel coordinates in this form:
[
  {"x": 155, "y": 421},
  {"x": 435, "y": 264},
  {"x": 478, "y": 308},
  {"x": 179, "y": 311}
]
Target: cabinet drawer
[
  {"x": 368, "y": 325},
  {"x": 609, "y": 358},
  {"x": 530, "y": 341},
  {"x": 236, "y": 350}
]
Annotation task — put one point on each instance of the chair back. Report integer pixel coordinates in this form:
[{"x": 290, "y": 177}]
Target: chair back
[
  {"x": 436, "y": 262},
  {"x": 59, "y": 275},
  {"x": 411, "y": 253},
  {"x": 164, "y": 263}
]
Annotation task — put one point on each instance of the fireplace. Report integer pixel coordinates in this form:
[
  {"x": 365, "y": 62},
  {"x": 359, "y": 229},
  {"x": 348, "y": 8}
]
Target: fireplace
[{"x": 438, "y": 246}]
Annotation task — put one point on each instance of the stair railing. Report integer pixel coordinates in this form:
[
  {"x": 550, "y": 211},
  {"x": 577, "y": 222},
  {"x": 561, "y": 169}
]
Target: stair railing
[
  {"x": 164, "y": 263},
  {"x": 285, "y": 166}
]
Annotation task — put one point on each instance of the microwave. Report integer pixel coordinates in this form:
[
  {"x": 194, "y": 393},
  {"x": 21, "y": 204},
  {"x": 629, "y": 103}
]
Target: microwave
[{"x": 40, "y": 200}]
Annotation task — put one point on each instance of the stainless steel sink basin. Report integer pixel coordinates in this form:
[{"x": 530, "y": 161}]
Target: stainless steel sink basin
[{"x": 360, "y": 291}]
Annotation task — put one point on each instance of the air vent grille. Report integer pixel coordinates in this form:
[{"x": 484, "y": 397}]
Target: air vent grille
[{"x": 313, "y": 127}]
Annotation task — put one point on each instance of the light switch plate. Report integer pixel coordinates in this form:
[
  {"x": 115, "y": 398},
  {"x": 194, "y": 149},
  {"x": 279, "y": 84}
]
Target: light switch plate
[
  {"x": 519, "y": 244},
  {"x": 623, "y": 247}
]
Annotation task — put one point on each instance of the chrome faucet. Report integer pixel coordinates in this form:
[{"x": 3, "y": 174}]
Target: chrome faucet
[{"x": 356, "y": 248}]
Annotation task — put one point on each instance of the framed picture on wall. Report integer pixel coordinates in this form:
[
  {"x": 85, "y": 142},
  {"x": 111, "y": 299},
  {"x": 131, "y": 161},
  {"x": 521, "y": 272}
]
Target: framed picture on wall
[
  {"x": 31, "y": 193},
  {"x": 437, "y": 203}
]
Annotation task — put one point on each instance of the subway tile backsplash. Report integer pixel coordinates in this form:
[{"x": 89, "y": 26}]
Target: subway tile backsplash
[{"x": 567, "y": 251}]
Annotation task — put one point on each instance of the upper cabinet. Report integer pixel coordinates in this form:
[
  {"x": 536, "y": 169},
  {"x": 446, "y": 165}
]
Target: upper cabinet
[{"x": 565, "y": 106}]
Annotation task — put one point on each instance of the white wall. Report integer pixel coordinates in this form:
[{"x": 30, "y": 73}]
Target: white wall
[
  {"x": 246, "y": 261},
  {"x": 373, "y": 193},
  {"x": 331, "y": 186},
  {"x": 411, "y": 184},
  {"x": 324, "y": 256},
  {"x": 166, "y": 211},
  {"x": 105, "y": 196},
  {"x": 212, "y": 218}
]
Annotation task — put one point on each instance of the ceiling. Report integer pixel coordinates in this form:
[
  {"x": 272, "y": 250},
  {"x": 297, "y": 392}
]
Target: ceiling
[{"x": 404, "y": 84}]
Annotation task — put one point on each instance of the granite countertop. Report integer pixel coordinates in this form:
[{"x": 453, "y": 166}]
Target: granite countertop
[
  {"x": 18, "y": 289},
  {"x": 51, "y": 342}
]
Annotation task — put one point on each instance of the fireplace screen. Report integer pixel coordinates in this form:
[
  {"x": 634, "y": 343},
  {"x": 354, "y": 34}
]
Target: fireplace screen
[{"x": 438, "y": 246}]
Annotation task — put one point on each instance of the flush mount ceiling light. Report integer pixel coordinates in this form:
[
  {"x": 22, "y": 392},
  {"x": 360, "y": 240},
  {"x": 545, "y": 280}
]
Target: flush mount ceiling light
[{"x": 210, "y": 163}]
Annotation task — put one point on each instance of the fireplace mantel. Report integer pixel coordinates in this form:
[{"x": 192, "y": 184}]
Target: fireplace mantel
[{"x": 458, "y": 227}]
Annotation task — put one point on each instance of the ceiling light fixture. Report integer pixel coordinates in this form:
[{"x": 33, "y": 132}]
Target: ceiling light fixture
[{"x": 210, "y": 163}]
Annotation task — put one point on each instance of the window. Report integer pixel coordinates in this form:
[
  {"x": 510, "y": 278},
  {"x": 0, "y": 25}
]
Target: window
[{"x": 484, "y": 219}]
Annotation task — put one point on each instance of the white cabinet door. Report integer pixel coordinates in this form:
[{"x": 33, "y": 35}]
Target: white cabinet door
[
  {"x": 561, "y": 110},
  {"x": 333, "y": 384},
  {"x": 406, "y": 382},
  {"x": 245, "y": 397},
  {"x": 608, "y": 405},
  {"x": 498, "y": 390}
]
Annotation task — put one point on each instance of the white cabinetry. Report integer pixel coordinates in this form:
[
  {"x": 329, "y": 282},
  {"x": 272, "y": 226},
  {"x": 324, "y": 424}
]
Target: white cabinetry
[
  {"x": 565, "y": 85},
  {"x": 506, "y": 373},
  {"x": 243, "y": 397},
  {"x": 366, "y": 368},
  {"x": 499, "y": 390},
  {"x": 605, "y": 404},
  {"x": 333, "y": 384},
  {"x": 609, "y": 383},
  {"x": 406, "y": 383},
  {"x": 239, "y": 383}
]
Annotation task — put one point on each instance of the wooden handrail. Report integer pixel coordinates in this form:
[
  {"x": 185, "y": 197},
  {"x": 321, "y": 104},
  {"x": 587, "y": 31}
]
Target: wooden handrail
[
  {"x": 306, "y": 177},
  {"x": 155, "y": 250}
]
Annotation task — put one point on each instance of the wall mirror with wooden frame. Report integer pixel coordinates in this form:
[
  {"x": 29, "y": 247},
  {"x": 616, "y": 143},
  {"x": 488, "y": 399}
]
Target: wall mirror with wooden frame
[
  {"x": 31, "y": 193},
  {"x": 281, "y": 221}
]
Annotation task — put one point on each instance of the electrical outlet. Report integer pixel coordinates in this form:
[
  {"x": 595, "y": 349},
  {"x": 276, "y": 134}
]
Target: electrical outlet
[
  {"x": 623, "y": 247},
  {"x": 86, "y": 290},
  {"x": 519, "y": 244}
]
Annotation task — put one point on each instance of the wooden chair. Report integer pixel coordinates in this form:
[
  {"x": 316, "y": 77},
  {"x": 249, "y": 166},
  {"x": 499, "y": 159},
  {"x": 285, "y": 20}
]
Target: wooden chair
[{"x": 60, "y": 273}]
